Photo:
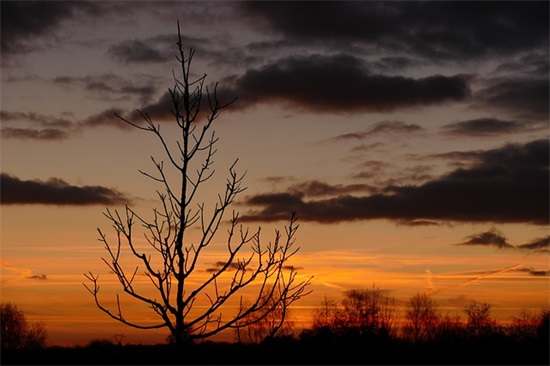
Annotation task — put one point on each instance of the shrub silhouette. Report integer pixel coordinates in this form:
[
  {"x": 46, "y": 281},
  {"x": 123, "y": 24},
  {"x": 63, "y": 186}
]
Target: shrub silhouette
[{"x": 17, "y": 332}]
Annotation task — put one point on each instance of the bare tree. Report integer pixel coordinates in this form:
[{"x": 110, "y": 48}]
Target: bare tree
[
  {"x": 422, "y": 318},
  {"x": 171, "y": 258}
]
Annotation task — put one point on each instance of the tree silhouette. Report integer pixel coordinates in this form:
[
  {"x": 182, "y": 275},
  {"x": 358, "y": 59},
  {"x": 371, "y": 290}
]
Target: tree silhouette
[
  {"x": 328, "y": 314},
  {"x": 172, "y": 259},
  {"x": 364, "y": 312},
  {"x": 275, "y": 324},
  {"x": 369, "y": 311},
  {"x": 422, "y": 318},
  {"x": 524, "y": 326},
  {"x": 17, "y": 332},
  {"x": 480, "y": 322}
]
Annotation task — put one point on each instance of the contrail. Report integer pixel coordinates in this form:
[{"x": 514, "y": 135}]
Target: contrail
[{"x": 430, "y": 287}]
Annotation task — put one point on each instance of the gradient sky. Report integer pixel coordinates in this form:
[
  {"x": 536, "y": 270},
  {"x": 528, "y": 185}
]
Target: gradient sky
[{"x": 411, "y": 138}]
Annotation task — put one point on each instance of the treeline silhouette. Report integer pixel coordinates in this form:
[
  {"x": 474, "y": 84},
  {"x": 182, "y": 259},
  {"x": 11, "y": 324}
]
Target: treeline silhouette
[{"x": 362, "y": 329}]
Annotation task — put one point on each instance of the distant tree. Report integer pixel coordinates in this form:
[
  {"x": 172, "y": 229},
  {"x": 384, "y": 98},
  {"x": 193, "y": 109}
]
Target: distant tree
[
  {"x": 524, "y": 326},
  {"x": 480, "y": 322},
  {"x": 328, "y": 314},
  {"x": 100, "y": 343},
  {"x": 422, "y": 318},
  {"x": 543, "y": 328},
  {"x": 172, "y": 259},
  {"x": 362, "y": 312},
  {"x": 276, "y": 324},
  {"x": 449, "y": 328},
  {"x": 17, "y": 332},
  {"x": 369, "y": 311}
]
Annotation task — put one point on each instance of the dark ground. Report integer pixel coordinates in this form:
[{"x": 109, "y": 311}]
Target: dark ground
[{"x": 292, "y": 352}]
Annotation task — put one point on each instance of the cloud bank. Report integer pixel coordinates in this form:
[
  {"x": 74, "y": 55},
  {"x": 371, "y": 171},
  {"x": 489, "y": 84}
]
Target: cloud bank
[
  {"x": 505, "y": 185},
  {"x": 341, "y": 83}
]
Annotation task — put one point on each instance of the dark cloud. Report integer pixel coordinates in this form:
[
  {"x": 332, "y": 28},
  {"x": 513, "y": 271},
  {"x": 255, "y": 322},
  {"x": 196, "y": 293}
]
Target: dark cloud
[
  {"x": 523, "y": 98},
  {"x": 366, "y": 147},
  {"x": 394, "y": 127},
  {"x": 219, "y": 264},
  {"x": 534, "y": 272},
  {"x": 341, "y": 84},
  {"x": 54, "y": 192},
  {"x": 60, "y": 128},
  {"x": 46, "y": 134},
  {"x": 139, "y": 51},
  {"x": 235, "y": 266},
  {"x": 316, "y": 188},
  {"x": 532, "y": 65},
  {"x": 160, "y": 48},
  {"x": 419, "y": 223},
  {"x": 42, "y": 277},
  {"x": 56, "y": 128},
  {"x": 493, "y": 237},
  {"x": 24, "y": 23},
  {"x": 43, "y": 120},
  {"x": 106, "y": 118},
  {"x": 485, "y": 127},
  {"x": 508, "y": 184},
  {"x": 537, "y": 245},
  {"x": 385, "y": 177},
  {"x": 382, "y": 127},
  {"x": 160, "y": 110},
  {"x": 450, "y": 30},
  {"x": 109, "y": 86}
]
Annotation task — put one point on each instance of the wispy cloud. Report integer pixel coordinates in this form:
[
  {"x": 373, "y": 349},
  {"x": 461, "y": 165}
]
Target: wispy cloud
[
  {"x": 474, "y": 277},
  {"x": 36, "y": 118},
  {"x": 46, "y": 134},
  {"x": 35, "y": 126},
  {"x": 485, "y": 127},
  {"x": 25, "y": 273}
]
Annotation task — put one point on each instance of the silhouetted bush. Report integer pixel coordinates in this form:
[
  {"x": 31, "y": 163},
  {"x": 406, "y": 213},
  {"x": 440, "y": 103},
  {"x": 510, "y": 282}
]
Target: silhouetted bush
[{"x": 17, "y": 332}]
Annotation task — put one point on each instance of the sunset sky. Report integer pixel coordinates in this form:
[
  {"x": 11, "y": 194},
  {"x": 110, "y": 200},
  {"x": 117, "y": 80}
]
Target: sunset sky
[{"x": 411, "y": 138}]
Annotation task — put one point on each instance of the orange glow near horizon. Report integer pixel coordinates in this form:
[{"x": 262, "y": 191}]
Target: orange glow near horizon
[{"x": 71, "y": 318}]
